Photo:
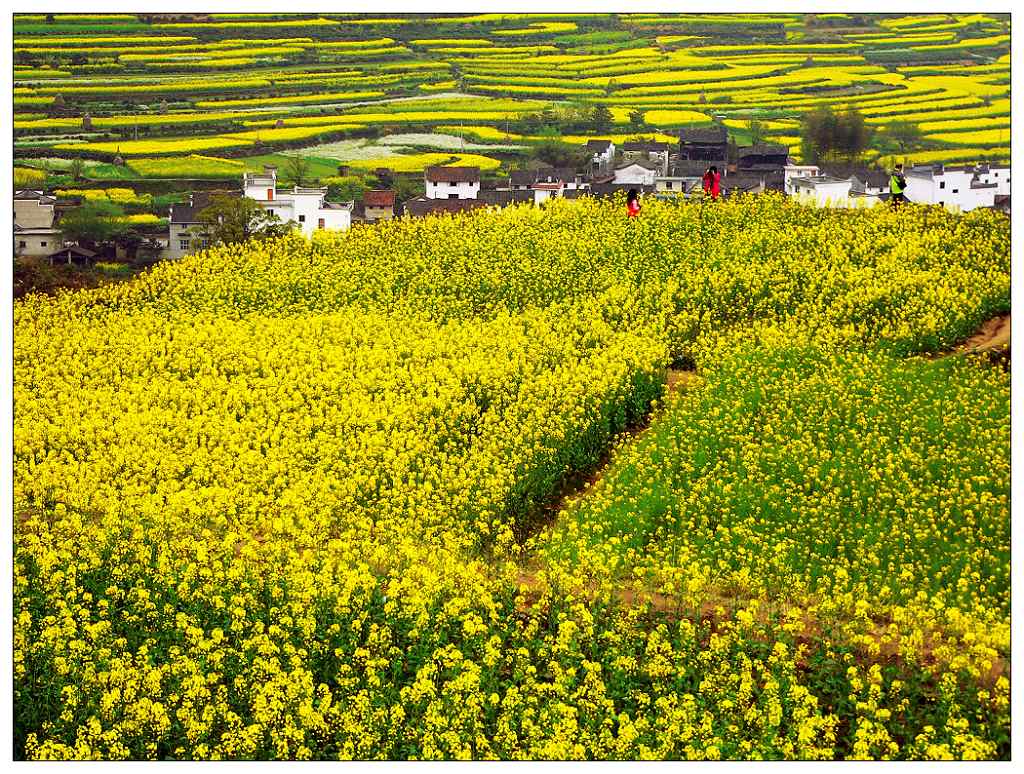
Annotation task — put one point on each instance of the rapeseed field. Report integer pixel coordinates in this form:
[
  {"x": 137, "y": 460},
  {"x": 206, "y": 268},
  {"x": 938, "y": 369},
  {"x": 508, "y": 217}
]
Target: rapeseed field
[{"x": 313, "y": 499}]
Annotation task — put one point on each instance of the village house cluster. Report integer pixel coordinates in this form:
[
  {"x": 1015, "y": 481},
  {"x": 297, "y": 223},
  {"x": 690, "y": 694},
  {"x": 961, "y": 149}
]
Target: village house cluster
[{"x": 652, "y": 168}]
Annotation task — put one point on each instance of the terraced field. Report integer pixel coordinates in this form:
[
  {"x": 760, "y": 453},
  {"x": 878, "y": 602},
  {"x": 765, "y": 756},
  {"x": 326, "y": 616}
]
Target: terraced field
[{"x": 106, "y": 86}]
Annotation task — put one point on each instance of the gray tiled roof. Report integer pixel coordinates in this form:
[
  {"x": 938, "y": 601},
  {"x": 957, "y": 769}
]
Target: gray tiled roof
[
  {"x": 872, "y": 176},
  {"x": 736, "y": 180},
  {"x": 610, "y": 189},
  {"x": 658, "y": 147},
  {"x": 28, "y": 194},
  {"x": 764, "y": 149},
  {"x": 711, "y": 134},
  {"x": 85, "y": 253},
  {"x": 504, "y": 198},
  {"x": 639, "y": 163},
  {"x": 689, "y": 168},
  {"x": 188, "y": 212},
  {"x": 531, "y": 176}
]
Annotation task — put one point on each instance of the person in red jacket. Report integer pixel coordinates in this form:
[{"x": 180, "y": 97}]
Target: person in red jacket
[
  {"x": 632, "y": 203},
  {"x": 712, "y": 182}
]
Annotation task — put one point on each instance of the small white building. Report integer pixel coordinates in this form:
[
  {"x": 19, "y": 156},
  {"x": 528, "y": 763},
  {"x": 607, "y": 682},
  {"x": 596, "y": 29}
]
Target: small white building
[
  {"x": 183, "y": 225},
  {"x": 36, "y": 242},
  {"x": 636, "y": 173},
  {"x": 452, "y": 182},
  {"x": 836, "y": 185},
  {"x": 34, "y": 231},
  {"x": 570, "y": 180},
  {"x": 999, "y": 174},
  {"x": 657, "y": 153},
  {"x": 823, "y": 191},
  {"x": 793, "y": 171},
  {"x": 306, "y": 207},
  {"x": 676, "y": 184},
  {"x": 602, "y": 154},
  {"x": 527, "y": 179},
  {"x": 874, "y": 183},
  {"x": 957, "y": 188},
  {"x": 543, "y": 191}
]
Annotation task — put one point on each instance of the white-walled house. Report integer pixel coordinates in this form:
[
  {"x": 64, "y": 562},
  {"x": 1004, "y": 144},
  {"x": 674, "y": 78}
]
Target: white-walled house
[
  {"x": 36, "y": 242},
  {"x": 657, "y": 153},
  {"x": 183, "y": 225},
  {"x": 34, "y": 231},
  {"x": 825, "y": 191},
  {"x": 676, "y": 184},
  {"x": 792, "y": 171},
  {"x": 305, "y": 206},
  {"x": 569, "y": 178},
  {"x": 527, "y": 179},
  {"x": 452, "y": 182},
  {"x": 636, "y": 173},
  {"x": 865, "y": 182},
  {"x": 868, "y": 181},
  {"x": 543, "y": 191},
  {"x": 999, "y": 174},
  {"x": 602, "y": 154},
  {"x": 874, "y": 182},
  {"x": 956, "y": 188}
]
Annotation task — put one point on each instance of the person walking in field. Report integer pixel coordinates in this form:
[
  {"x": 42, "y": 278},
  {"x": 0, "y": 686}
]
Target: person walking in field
[
  {"x": 712, "y": 182},
  {"x": 897, "y": 186},
  {"x": 632, "y": 203}
]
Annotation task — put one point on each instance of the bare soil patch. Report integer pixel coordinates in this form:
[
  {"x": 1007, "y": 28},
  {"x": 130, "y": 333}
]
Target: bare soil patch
[
  {"x": 994, "y": 334},
  {"x": 991, "y": 340}
]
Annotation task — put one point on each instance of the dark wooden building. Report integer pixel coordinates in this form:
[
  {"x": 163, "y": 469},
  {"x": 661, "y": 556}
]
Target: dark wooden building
[
  {"x": 763, "y": 156},
  {"x": 709, "y": 145}
]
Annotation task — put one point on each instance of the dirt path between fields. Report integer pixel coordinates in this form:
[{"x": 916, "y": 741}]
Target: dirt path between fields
[
  {"x": 991, "y": 339},
  {"x": 994, "y": 334}
]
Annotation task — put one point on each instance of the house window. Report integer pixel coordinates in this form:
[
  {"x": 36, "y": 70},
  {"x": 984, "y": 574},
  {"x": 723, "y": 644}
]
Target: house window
[
  {"x": 942, "y": 185},
  {"x": 302, "y": 218},
  {"x": 668, "y": 186},
  {"x": 320, "y": 223},
  {"x": 22, "y": 243},
  {"x": 204, "y": 243},
  {"x": 956, "y": 190},
  {"x": 42, "y": 244},
  {"x": 453, "y": 196},
  {"x": 183, "y": 244}
]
